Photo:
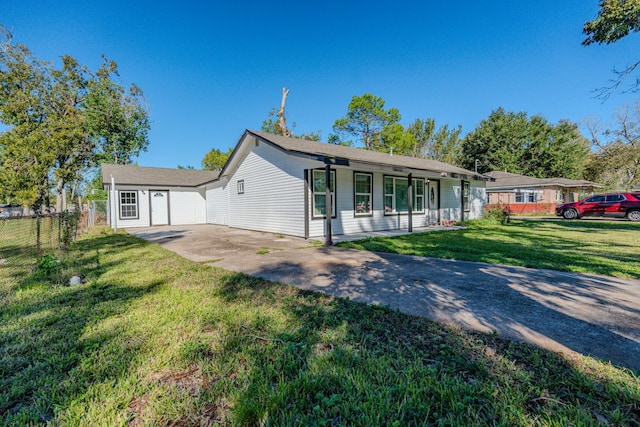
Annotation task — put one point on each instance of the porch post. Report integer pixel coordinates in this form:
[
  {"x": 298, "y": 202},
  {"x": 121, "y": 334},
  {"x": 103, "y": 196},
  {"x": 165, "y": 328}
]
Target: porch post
[
  {"x": 462, "y": 202},
  {"x": 329, "y": 204},
  {"x": 410, "y": 204}
]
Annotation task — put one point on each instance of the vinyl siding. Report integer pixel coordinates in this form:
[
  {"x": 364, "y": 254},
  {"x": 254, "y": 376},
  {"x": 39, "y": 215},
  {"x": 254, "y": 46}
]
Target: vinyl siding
[
  {"x": 347, "y": 223},
  {"x": 218, "y": 204},
  {"x": 273, "y": 198},
  {"x": 143, "y": 208},
  {"x": 478, "y": 198},
  {"x": 187, "y": 207}
]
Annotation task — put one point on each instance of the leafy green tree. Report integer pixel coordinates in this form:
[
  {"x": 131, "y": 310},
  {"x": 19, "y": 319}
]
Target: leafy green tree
[
  {"x": 118, "y": 122},
  {"x": 616, "y": 163},
  {"x": 272, "y": 125},
  {"x": 215, "y": 159},
  {"x": 515, "y": 143},
  {"x": 51, "y": 135},
  {"x": 616, "y": 19},
  {"x": 442, "y": 144},
  {"x": 365, "y": 120}
]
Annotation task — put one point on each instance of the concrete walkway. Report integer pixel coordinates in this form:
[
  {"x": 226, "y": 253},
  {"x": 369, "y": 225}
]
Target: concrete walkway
[{"x": 562, "y": 312}]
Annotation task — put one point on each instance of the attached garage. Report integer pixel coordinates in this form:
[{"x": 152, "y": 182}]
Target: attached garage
[{"x": 146, "y": 196}]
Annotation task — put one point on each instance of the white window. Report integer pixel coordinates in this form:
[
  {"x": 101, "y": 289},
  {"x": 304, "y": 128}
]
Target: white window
[
  {"x": 396, "y": 195},
  {"x": 519, "y": 198},
  {"x": 362, "y": 185},
  {"x": 559, "y": 196},
  {"x": 128, "y": 205},
  {"x": 320, "y": 195},
  {"x": 531, "y": 197},
  {"x": 241, "y": 186},
  {"x": 465, "y": 196}
]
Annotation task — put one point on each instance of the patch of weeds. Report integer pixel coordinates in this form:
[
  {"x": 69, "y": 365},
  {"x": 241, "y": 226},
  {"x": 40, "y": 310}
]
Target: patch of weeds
[{"x": 263, "y": 250}]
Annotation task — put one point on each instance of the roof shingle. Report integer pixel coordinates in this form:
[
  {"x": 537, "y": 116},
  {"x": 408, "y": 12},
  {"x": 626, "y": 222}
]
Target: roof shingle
[{"x": 142, "y": 175}]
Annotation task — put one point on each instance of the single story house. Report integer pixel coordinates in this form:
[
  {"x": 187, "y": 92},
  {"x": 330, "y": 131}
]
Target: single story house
[
  {"x": 528, "y": 195},
  {"x": 155, "y": 196},
  {"x": 286, "y": 185}
]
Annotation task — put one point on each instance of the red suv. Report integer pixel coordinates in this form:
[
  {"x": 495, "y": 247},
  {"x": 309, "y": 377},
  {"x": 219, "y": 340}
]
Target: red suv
[{"x": 617, "y": 205}]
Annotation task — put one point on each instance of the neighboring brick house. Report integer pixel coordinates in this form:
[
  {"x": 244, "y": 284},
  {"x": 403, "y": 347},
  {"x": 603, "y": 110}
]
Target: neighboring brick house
[{"x": 528, "y": 195}]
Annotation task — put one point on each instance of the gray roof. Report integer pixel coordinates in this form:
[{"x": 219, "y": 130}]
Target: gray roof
[
  {"x": 322, "y": 151},
  {"x": 142, "y": 175},
  {"x": 505, "y": 180}
]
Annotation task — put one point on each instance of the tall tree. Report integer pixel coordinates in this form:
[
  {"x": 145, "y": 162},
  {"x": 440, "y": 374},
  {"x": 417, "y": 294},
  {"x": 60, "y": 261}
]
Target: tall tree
[
  {"x": 51, "y": 136},
  {"x": 515, "y": 143},
  {"x": 616, "y": 19},
  {"x": 118, "y": 122},
  {"x": 616, "y": 163},
  {"x": 25, "y": 108},
  {"x": 365, "y": 120},
  {"x": 442, "y": 144},
  {"x": 276, "y": 122},
  {"x": 215, "y": 159}
]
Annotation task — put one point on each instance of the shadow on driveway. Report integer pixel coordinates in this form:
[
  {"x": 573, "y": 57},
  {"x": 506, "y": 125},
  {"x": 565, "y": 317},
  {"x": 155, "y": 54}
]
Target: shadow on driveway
[{"x": 559, "y": 311}]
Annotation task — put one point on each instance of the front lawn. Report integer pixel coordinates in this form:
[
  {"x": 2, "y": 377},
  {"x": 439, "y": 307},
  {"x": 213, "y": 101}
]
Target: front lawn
[
  {"x": 607, "y": 248},
  {"x": 153, "y": 339}
]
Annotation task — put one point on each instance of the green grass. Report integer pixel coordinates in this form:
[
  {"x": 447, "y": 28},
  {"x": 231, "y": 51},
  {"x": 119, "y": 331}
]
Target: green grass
[
  {"x": 154, "y": 339},
  {"x": 606, "y": 248}
]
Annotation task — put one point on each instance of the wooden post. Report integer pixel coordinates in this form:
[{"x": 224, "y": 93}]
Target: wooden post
[
  {"x": 410, "y": 201},
  {"x": 329, "y": 204}
]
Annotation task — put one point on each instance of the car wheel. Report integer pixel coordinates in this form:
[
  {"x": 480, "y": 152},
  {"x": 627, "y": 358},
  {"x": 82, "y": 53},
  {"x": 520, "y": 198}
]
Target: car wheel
[
  {"x": 570, "y": 214},
  {"x": 633, "y": 215}
]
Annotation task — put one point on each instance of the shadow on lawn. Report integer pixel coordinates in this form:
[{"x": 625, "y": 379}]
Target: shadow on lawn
[
  {"x": 396, "y": 367},
  {"x": 48, "y": 351}
]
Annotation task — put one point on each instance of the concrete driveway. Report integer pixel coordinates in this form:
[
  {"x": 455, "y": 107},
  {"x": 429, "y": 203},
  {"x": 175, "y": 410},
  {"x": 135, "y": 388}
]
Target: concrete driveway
[{"x": 562, "y": 312}]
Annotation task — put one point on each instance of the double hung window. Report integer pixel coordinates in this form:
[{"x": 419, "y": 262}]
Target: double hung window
[
  {"x": 396, "y": 195},
  {"x": 362, "y": 184},
  {"x": 320, "y": 195},
  {"x": 128, "y": 204}
]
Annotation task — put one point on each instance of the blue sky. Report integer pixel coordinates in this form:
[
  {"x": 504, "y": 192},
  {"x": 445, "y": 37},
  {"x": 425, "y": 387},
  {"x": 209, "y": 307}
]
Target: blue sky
[{"x": 211, "y": 69}]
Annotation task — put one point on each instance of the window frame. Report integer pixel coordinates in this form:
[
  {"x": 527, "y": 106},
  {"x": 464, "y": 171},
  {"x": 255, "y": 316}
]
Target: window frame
[
  {"x": 356, "y": 194},
  {"x": 559, "y": 196},
  {"x": 323, "y": 193},
  {"x": 135, "y": 204},
  {"x": 466, "y": 195},
  {"x": 414, "y": 196},
  {"x": 240, "y": 186}
]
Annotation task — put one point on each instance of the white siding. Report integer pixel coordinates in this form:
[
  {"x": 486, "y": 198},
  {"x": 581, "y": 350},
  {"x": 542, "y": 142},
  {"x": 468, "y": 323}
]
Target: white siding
[
  {"x": 478, "y": 198},
  {"x": 218, "y": 205},
  {"x": 450, "y": 200},
  {"x": 187, "y": 207},
  {"x": 347, "y": 223},
  {"x": 143, "y": 208},
  {"x": 273, "y": 198}
]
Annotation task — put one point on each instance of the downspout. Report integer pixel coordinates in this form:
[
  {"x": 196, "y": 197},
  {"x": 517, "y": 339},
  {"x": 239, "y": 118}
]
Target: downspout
[{"x": 329, "y": 205}]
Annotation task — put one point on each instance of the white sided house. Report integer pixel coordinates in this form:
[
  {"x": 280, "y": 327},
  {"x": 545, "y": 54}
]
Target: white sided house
[
  {"x": 278, "y": 184},
  {"x": 155, "y": 196}
]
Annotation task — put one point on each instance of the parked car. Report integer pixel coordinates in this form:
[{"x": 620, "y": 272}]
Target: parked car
[{"x": 616, "y": 205}]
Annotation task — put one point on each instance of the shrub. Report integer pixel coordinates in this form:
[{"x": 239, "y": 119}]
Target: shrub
[{"x": 498, "y": 215}]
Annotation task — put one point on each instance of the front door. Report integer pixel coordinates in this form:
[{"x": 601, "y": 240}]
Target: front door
[
  {"x": 159, "y": 207},
  {"x": 434, "y": 202}
]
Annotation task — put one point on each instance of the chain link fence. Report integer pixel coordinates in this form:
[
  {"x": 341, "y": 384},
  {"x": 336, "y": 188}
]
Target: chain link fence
[
  {"x": 97, "y": 214},
  {"x": 24, "y": 239}
]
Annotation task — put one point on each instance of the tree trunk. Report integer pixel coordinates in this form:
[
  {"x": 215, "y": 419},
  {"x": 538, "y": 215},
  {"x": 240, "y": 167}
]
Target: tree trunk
[{"x": 282, "y": 119}]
